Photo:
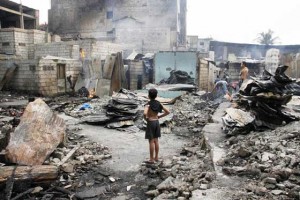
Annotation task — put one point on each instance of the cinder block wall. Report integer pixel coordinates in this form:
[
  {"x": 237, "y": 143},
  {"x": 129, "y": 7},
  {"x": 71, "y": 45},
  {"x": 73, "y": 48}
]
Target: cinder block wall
[
  {"x": 39, "y": 76},
  {"x": 19, "y": 41},
  {"x": 47, "y": 75},
  {"x": 25, "y": 78},
  {"x": 203, "y": 75},
  {"x": 96, "y": 49},
  {"x": 58, "y": 49},
  {"x": 7, "y": 41},
  {"x": 136, "y": 69}
]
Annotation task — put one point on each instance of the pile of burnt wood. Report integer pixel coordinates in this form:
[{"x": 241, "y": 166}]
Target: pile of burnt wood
[
  {"x": 178, "y": 77},
  {"x": 261, "y": 103},
  {"x": 121, "y": 110}
]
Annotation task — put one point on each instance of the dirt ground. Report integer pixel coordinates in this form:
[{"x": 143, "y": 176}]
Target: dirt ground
[{"x": 123, "y": 174}]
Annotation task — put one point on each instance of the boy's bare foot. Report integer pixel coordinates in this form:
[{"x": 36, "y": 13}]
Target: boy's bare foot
[{"x": 150, "y": 161}]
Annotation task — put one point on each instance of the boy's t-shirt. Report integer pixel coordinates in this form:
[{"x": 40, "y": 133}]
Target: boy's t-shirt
[{"x": 155, "y": 106}]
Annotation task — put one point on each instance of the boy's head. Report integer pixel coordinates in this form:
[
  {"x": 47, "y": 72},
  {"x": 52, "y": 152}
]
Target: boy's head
[
  {"x": 243, "y": 64},
  {"x": 152, "y": 93}
]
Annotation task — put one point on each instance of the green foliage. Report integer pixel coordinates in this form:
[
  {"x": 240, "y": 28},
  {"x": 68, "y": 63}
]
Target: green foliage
[{"x": 266, "y": 38}]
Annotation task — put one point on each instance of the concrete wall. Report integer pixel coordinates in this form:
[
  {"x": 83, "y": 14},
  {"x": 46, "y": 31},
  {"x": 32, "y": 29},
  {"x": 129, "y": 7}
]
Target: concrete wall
[
  {"x": 18, "y": 41},
  {"x": 137, "y": 69},
  {"x": 150, "y": 22},
  {"x": 192, "y": 42},
  {"x": 235, "y": 68},
  {"x": 203, "y": 75},
  {"x": 165, "y": 62},
  {"x": 272, "y": 60},
  {"x": 293, "y": 61},
  {"x": 206, "y": 75},
  {"x": 39, "y": 76},
  {"x": 59, "y": 49},
  {"x": 247, "y": 51}
]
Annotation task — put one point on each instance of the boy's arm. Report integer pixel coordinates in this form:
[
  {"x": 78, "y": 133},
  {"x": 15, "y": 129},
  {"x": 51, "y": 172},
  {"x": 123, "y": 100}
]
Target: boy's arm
[
  {"x": 166, "y": 112},
  {"x": 146, "y": 112}
]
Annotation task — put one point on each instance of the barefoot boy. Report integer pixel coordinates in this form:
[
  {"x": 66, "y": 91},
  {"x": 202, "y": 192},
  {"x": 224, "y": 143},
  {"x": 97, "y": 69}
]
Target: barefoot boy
[{"x": 152, "y": 108}]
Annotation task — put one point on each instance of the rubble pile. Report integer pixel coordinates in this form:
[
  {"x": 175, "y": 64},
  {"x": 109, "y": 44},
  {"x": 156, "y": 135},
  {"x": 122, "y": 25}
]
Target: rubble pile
[
  {"x": 269, "y": 160},
  {"x": 117, "y": 111},
  {"x": 52, "y": 171},
  {"x": 81, "y": 169},
  {"x": 191, "y": 170},
  {"x": 178, "y": 77},
  {"x": 123, "y": 111},
  {"x": 264, "y": 99},
  {"x": 190, "y": 114}
]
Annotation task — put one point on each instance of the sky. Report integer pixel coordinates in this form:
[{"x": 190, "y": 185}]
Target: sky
[{"x": 238, "y": 21}]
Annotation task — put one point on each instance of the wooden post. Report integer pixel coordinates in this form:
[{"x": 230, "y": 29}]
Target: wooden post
[{"x": 35, "y": 173}]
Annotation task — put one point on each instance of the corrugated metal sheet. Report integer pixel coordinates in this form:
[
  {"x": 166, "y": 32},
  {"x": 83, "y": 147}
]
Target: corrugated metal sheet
[{"x": 165, "y": 62}]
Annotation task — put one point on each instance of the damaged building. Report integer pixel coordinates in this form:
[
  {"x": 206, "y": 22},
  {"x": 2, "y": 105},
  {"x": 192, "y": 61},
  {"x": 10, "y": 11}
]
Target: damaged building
[
  {"x": 156, "y": 25},
  {"x": 13, "y": 15},
  {"x": 39, "y": 62},
  {"x": 266, "y": 56}
]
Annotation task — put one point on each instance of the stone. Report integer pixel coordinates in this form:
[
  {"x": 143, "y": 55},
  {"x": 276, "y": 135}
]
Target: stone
[
  {"x": 58, "y": 154},
  {"x": 170, "y": 183},
  {"x": 270, "y": 180},
  {"x": 243, "y": 152},
  {"x": 277, "y": 192},
  {"x": 39, "y": 133},
  {"x": 267, "y": 156},
  {"x": 203, "y": 187},
  {"x": 270, "y": 186},
  {"x": 56, "y": 160},
  {"x": 280, "y": 186},
  {"x": 210, "y": 176},
  {"x": 152, "y": 193},
  {"x": 92, "y": 192},
  {"x": 186, "y": 194},
  {"x": 68, "y": 168}
]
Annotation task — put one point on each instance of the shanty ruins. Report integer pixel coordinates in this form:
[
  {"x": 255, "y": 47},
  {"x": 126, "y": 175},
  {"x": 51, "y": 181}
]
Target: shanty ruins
[{"x": 73, "y": 95}]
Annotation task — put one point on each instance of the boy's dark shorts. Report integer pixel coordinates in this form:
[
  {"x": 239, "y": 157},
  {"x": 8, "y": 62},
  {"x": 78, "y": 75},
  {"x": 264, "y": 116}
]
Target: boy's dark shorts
[{"x": 153, "y": 130}]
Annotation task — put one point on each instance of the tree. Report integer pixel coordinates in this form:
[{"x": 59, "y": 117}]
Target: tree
[{"x": 267, "y": 38}]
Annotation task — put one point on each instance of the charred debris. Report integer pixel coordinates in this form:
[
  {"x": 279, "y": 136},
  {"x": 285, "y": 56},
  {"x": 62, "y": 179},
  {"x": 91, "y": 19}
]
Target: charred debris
[
  {"x": 263, "y": 103},
  {"x": 42, "y": 158},
  {"x": 68, "y": 161}
]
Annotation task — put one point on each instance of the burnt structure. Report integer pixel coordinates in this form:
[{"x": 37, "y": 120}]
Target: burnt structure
[
  {"x": 13, "y": 15},
  {"x": 222, "y": 50},
  {"x": 141, "y": 25}
]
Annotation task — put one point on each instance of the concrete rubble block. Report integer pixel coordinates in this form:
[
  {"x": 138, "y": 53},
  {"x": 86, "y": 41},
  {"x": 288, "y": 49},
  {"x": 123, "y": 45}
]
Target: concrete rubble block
[
  {"x": 152, "y": 193},
  {"x": 92, "y": 192},
  {"x": 170, "y": 184},
  {"x": 37, "y": 136}
]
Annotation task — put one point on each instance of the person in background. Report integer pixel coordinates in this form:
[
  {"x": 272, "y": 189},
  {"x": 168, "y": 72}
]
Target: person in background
[
  {"x": 243, "y": 73},
  {"x": 82, "y": 54},
  {"x": 217, "y": 79},
  {"x": 221, "y": 90},
  {"x": 151, "y": 115}
]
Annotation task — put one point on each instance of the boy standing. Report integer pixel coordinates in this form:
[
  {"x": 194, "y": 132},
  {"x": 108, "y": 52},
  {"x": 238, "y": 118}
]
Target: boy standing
[{"x": 152, "y": 108}]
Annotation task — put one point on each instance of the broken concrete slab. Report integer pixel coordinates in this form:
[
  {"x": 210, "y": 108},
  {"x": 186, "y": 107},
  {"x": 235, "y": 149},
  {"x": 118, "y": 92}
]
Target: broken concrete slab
[
  {"x": 37, "y": 136},
  {"x": 92, "y": 192}
]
